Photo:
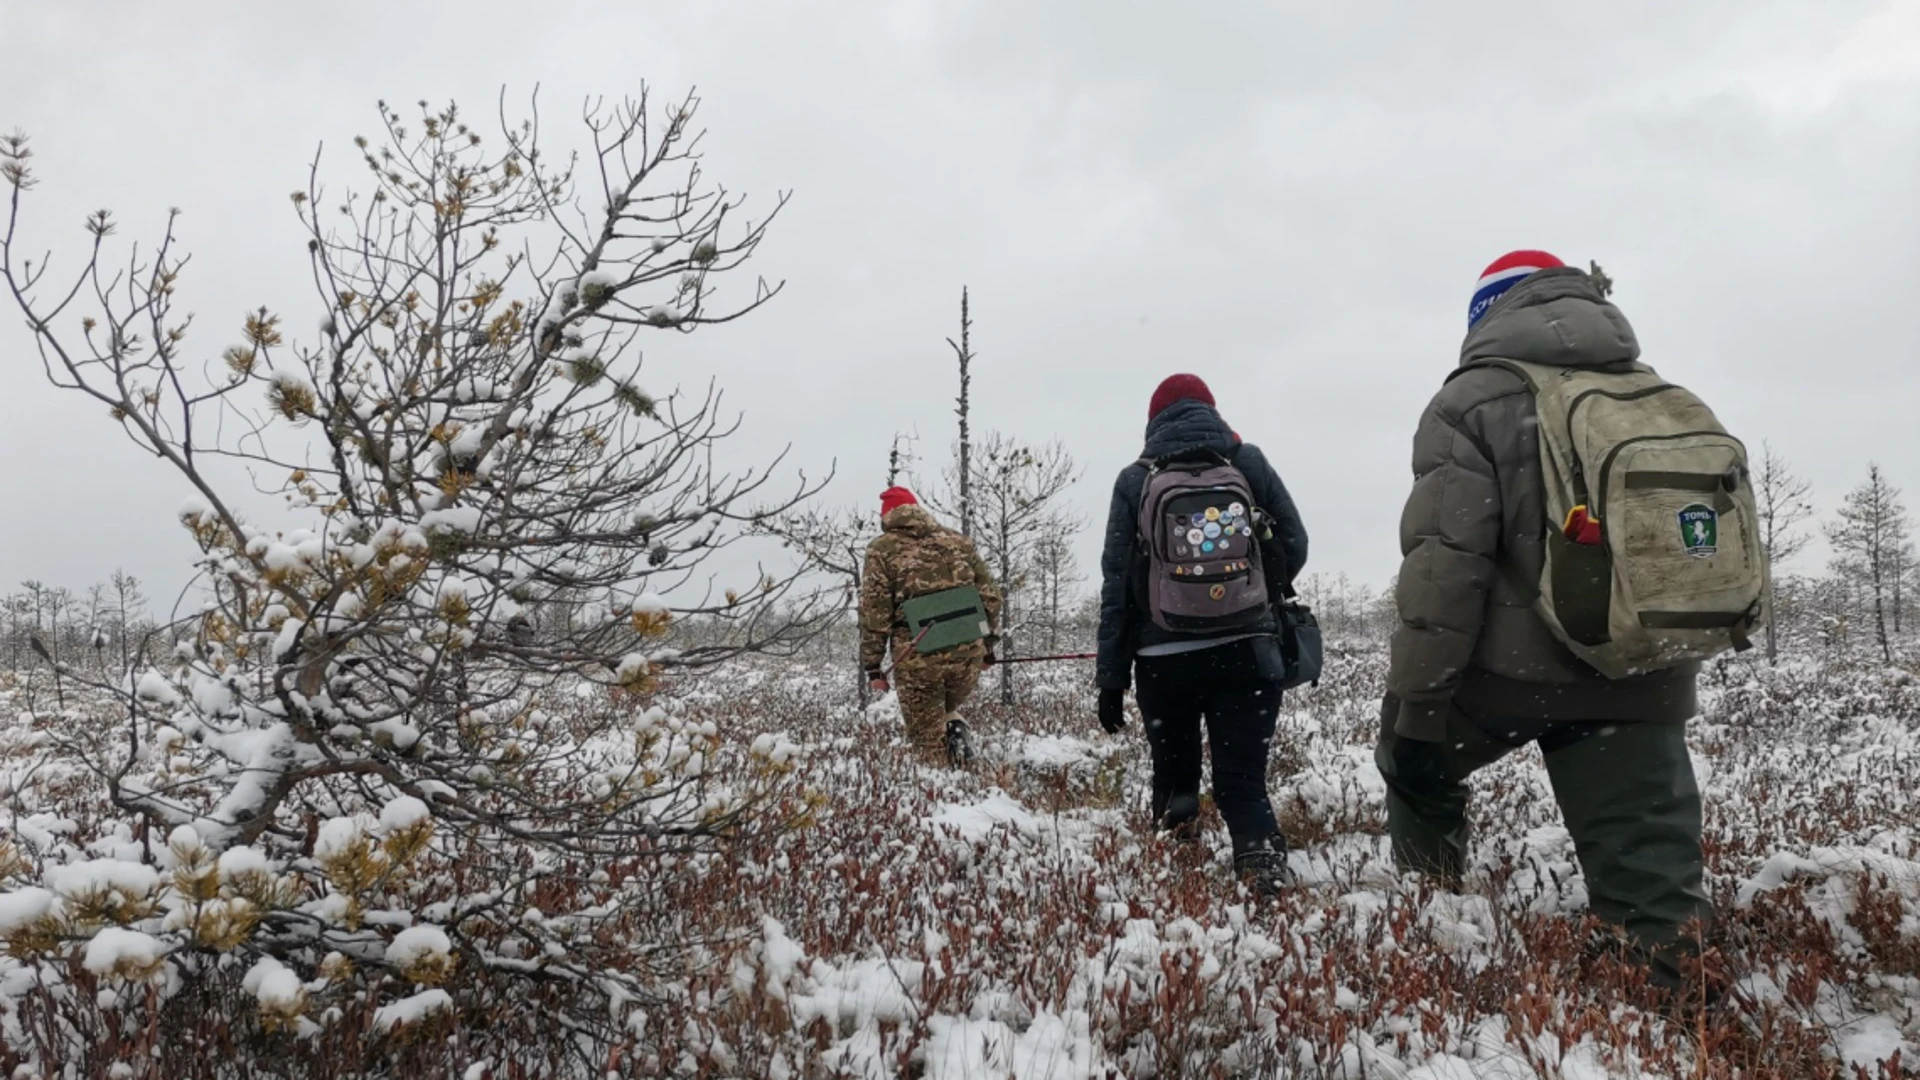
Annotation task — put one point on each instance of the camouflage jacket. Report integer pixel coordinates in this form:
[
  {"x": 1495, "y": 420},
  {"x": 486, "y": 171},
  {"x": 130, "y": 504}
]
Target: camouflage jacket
[{"x": 914, "y": 556}]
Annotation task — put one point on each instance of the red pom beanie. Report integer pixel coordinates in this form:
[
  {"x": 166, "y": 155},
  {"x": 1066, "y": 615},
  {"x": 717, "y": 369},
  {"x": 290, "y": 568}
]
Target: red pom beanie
[
  {"x": 1178, "y": 388},
  {"x": 894, "y": 498}
]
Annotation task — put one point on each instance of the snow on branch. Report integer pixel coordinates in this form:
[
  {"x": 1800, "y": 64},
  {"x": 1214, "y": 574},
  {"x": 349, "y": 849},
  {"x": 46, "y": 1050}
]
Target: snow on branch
[{"x": 496, "y": 535}]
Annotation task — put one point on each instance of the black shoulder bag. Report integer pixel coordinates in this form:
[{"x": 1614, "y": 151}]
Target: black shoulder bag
[{"x": 1300, "y": 644}]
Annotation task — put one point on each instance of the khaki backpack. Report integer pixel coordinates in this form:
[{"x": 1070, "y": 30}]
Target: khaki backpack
[{"x": 1652, "y": 551}]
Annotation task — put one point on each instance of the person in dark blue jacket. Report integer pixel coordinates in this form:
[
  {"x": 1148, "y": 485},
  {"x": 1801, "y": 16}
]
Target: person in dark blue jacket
[{"x": 1231, "y": 681}]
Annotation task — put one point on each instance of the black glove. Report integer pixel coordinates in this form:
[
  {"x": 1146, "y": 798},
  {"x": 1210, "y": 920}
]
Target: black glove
[{"x": 1113, "y": 709}]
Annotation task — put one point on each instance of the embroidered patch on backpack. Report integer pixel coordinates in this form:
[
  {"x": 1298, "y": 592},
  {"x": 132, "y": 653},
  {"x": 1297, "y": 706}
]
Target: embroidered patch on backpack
[{"x": 1700, "y": 531}]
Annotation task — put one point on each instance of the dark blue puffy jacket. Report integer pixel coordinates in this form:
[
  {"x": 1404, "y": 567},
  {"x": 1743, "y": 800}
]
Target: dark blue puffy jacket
[{"x": 1182, "y": 428}]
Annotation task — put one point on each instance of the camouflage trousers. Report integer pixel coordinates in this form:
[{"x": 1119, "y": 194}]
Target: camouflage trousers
[{"x": 931, "y": 688}]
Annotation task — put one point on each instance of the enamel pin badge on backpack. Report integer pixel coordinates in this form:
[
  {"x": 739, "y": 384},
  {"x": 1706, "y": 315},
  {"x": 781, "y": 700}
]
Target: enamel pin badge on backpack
[{"x": 1700, "y": 531}]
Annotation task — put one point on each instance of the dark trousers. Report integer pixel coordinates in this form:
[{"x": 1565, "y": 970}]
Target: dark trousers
[
  {"x": 1627, "y": 792},
  {"x": 1232, "y": 692}
]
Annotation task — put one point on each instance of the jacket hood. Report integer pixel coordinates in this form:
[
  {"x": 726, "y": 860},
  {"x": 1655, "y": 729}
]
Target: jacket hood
[
  {"x": 911, "y": 520},
  {"x": 1188, "y": 425},
  {"x": 1555, "y": 317}
]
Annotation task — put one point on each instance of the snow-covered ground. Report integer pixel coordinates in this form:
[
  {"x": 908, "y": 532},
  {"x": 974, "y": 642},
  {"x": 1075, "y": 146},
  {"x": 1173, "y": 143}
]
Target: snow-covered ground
[{"x": 1020, "y": 920}]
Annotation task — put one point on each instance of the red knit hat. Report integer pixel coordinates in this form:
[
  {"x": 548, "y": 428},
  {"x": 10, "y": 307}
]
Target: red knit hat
[
  {"x": 1178, "y": 388},
  {"x": 894, "y": 498}
]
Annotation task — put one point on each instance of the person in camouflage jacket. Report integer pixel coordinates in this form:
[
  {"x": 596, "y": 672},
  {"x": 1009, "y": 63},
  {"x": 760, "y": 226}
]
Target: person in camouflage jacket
[{"x": 915, "y": 556}]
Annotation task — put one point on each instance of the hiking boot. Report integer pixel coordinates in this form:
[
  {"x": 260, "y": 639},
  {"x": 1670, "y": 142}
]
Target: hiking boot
[
  {"x": 1680, "y": 982},
  {"x": 959, "y": 744},
  {"x": 1263, "y": 866},
  {"x": 1181, "y": 819}
]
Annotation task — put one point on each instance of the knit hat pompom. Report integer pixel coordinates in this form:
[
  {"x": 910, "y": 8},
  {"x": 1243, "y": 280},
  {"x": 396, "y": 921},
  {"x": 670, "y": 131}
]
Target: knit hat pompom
[
  {"x": 1178, "y": 388},
  {"x": 1504, "y": 273},
  {"x": 894, "y": 498}
]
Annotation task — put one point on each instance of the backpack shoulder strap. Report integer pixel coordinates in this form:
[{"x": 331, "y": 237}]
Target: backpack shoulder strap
[
  {"x": 1141, "y": 523},
  {"x": 1192, "y": 455},
  {"x": 1534, "y": 374},
  {"x": 1267, "y": 546},
  {"x": 1513, "y": 367}
]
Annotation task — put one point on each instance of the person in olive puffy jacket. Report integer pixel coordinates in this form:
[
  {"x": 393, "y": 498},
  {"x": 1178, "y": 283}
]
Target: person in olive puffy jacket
[
  {"x": 1476, "y": 674},
  {"x": 1230, "y": 681}
]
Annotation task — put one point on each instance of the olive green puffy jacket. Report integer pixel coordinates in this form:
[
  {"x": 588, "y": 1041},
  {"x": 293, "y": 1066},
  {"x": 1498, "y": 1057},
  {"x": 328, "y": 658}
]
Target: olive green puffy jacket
[{"x": 1474, "y": 526}]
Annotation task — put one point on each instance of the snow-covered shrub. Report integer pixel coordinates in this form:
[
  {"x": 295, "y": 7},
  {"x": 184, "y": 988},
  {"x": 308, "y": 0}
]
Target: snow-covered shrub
[{"x": 417, "y": 709}]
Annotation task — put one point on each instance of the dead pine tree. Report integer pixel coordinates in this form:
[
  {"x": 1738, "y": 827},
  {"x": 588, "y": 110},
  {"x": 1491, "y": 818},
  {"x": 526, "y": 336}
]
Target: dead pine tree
[
  {"x": 832, "y": 542},
  {"x": 963, "y": 353},
  {"x": 1056, "y": 572},
  {"x": 900, "y": 455},
  {"x": 1903, "y": 567},
  {"x": 1785, "y": 503},
  {"x": 1868, "y": 540},
  {"x": 1020, "y": 488}
]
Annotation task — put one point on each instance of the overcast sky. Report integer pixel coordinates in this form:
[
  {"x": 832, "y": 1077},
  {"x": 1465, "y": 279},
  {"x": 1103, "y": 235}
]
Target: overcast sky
[{"x": 1290, "y": 200}]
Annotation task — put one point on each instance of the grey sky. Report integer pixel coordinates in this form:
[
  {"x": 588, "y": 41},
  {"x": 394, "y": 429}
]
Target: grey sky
[{"x": 1291, "y": 200}]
